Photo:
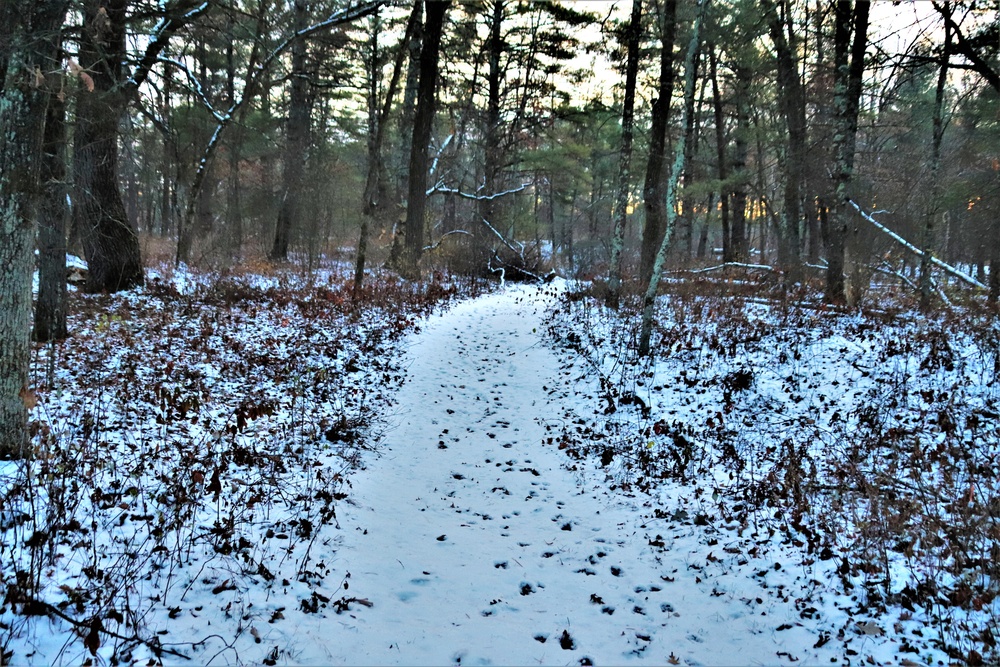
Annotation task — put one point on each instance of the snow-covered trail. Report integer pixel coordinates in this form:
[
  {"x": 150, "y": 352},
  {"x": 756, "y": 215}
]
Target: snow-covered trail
[{"x": 476, "y": 545}]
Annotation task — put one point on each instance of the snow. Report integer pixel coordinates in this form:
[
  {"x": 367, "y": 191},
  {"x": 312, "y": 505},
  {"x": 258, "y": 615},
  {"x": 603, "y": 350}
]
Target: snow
[
  {"x": 477, "y": 545},
  {"x": 476, "y": 531}
]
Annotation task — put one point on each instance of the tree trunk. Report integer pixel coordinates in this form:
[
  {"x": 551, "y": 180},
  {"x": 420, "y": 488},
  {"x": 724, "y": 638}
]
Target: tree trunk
[
  {"x": 110, "y": 242},
  {"x": 720, "y": 154},
  {"x": 234, "y": 213},
  {"x": 423, "y": 121},
  {"x": 30, "y": 46},
  {"x": 654, "y": 188},
  {"x": 488, "y": 207},
  {"x": 409, "y": 106},
  {"x": 624, "y": 157},
  {"x": 50, "y": 310},
  {"x": 934, "y": 206},
  {"x": 296, "y": 141},
  {"x": 649, "y": 299},
  {"x": 374, "y": 197},
  {"x": 847, "y": 95},
  {"x": 793, "y": 108},
  {"x": 740, "y": 250},
  {"x": 703, "y": 236}
]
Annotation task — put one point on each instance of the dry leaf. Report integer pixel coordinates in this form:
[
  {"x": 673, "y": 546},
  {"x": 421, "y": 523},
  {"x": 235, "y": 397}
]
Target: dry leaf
[
  {"x": 673, "y": 659},
  {"x": 870, "y": 629},
  {"x": 29, "y": 398},
  {"x": 93, "y": 639}
]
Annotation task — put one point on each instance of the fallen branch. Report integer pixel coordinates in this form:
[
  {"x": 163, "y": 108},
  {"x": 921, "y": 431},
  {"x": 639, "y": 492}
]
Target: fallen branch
[
  {"x": 885, "y": 269},
  {"x": 435, "y": 246},
  {"x": 728, "y": 265},
  {"x": 441, "y": 188},
  {"x": 516, "y": 269},
  {"x": 503, "y": 239},
  {"x": 917, "y": 251}
]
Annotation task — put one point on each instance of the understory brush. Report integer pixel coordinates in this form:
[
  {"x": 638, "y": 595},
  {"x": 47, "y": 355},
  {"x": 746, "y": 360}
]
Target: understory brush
[
  {"x": 868, "y": 440},
  {"x": 191, "y": 439}
]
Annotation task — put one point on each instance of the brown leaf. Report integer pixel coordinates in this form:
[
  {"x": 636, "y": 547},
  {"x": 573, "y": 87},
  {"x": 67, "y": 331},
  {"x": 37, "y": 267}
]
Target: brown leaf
[
  {"x": 88, "y": 81},
  {"x": 29, "y": 398},
  {"x": 214, "y": 486},
  {"x": 93, "y": 638}
]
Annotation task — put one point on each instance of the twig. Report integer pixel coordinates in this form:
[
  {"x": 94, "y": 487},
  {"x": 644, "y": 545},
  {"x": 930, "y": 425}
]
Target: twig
[{"x": 55, "y": 611}]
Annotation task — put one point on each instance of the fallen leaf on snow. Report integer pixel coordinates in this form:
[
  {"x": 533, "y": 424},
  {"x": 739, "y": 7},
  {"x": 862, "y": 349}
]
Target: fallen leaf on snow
[{"x": 870, "y": 629}]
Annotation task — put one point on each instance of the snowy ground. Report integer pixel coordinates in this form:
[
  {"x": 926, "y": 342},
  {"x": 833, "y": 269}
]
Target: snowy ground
[
  {"x": 476, "y": 534},
  {"x": 476, "y": 544}
]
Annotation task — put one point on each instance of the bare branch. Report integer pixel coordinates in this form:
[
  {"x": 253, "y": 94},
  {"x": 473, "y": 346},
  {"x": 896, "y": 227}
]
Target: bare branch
[
  {"x": 195, "y": 86},
  {"x": 176, "y": 18},
  {"x": 435, "y": 246},
  {"x": 917, "y": 251},
  {"x": 441, "y": 188}
]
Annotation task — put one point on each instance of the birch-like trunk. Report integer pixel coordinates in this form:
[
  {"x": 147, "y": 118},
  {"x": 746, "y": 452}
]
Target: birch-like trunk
[{"x": 649, "y": 299}]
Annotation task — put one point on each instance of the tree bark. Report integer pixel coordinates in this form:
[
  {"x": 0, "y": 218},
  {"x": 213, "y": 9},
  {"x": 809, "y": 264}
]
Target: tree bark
[
  {"x": 847, "y": 94},
  {"x": 793, "y": 108},
  {"x": 423, "y": 120},
  {"x": 109, "y": 239},
  {"x": 740, "y": 250},
  {"x": 934, "y": 206},
  {"x": 300, "y": 102},
  {"x": 624, "y": 157},
  {"x": 488, "y": 207},
  {"x": 720, "y": 154},
  {"x": 29, "y": 48},
  {"x": 654, "y": 188},
  {"x": 50, "y": 310},
  {"x": 692, "y": 131}
]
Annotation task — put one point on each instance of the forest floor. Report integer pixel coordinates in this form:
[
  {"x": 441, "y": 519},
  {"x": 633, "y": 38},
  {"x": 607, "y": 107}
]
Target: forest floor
[{"x": 536, "y": 495}]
